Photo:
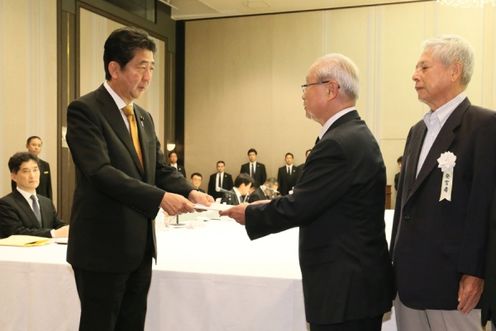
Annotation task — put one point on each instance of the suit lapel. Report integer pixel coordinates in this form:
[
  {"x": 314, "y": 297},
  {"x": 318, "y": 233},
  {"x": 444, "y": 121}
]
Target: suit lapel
[
  {"x": 441, "y": 145},
  {"x": 25, "y": 208},
  {"x": 115, "y": 120},
  {"x": 144, "y": 139},
  {"x": 417, "y": 141},
  {"x": 45, "y": 212}
]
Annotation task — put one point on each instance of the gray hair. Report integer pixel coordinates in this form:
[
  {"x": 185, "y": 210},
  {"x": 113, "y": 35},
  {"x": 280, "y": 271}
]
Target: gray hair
[
  {"x": 338, "y": 67},
  {"x": 450, "y": 49}
]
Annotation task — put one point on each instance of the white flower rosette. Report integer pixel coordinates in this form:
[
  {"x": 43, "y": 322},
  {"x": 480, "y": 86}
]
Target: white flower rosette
[{"x": 446, "y": 162}]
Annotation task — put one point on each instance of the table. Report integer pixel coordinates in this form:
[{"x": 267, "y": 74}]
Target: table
[{"x": 209, "y": 277}]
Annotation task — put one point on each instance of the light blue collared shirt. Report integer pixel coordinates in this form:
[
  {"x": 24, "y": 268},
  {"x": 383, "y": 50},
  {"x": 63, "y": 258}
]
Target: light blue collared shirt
[{"x": 434, "y": 120}]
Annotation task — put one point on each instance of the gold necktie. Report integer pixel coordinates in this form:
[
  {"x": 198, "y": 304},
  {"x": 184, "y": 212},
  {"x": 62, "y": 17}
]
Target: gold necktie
[{"x": 133, "y": 127}]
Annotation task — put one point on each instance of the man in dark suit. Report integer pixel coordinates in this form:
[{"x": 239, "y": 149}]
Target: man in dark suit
[
  {"x": 240, "y": 191},
  {"x": 172, "y": 161},
  {"x": 33, "y": 144},
  {"x": 444, "y": 195},
  {"x": 255, "y": 169},
  {"x": 219, "y": 180},
  {"x": 397, "y": 175},
  {"x": 287, "y": 174},
  {"x": 23, "y": 211},
  {"x": 338, "y": 203},
  {"x": 121, "y": 182}
]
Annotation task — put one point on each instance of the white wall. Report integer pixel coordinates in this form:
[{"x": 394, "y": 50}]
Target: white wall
[{"x": 28, "y": 89}]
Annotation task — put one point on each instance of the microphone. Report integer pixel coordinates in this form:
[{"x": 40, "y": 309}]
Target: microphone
[
  {"x": 142, "y": 120},
  {"x": 222, "y": 190}
]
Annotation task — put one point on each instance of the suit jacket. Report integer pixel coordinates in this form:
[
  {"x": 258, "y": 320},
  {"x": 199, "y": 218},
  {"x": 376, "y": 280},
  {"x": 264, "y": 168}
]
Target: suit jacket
[
  {"x": 17, "y": 217},
  {"x": 45, "y": 186},
  {"x": 435, "y": 242},
  {"x": 338, "y": 203},
  {"x": 396, "y": 181},
  {"x": 116, "y": 199},
  {"x": 287, "y": 181},
  {"x": 260, "y": 175},
  {"x": 227, "y": 184},
  {"x": 256, "y": 195}
]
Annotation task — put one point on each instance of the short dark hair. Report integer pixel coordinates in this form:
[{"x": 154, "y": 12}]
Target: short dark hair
[
  {"x": 400, "y": 159},
  {"x": 289, "y": 153},
  {"x": 18, "y": 159},
  {"x": 252, "y": 150},
  {"x": 220, "y": 161},
  {"x": 196, "y": 174},
  {"x": 170, "y": 153},
  {"x": 31, "y": 138},
  {"x": 243, "y": 179},
  {"x": 122, "y": 44}
]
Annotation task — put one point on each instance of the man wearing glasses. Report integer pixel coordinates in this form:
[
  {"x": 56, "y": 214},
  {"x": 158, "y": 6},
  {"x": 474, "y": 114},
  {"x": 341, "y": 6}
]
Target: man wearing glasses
[{"x": 338, "y": 203}]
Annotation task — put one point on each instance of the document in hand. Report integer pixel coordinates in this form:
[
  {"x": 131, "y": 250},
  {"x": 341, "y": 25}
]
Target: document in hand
[
  {"x": 24, "y": 241},
  {"x": 213, "y": 206}
]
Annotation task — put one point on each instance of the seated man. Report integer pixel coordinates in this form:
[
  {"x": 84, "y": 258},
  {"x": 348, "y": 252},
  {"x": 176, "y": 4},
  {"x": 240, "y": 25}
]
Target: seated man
[
  {"x": 23, "y": 211},
  {"x": 196, "y": 180},
  {"x": 240, "y": 191},
  {"x": 270, "y": 188},
  {"x": 256, "y": 193}
]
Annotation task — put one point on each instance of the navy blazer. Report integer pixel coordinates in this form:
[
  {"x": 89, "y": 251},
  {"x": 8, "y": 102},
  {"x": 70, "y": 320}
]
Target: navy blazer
[
  {"x": 116, "y": 199},
  {"x": 17, "y": 217},
  {"x": 435, "y": 242},
  {"x": 338, "y": 203}
]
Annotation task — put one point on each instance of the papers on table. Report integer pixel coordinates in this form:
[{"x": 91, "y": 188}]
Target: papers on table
[
  {"x": 24, "y": 241},
  {"x": 214, "y": 206}
]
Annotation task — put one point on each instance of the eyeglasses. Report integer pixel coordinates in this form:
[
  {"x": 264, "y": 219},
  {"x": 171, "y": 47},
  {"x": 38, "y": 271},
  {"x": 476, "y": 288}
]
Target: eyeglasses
[{"x": 304, "y": 86}]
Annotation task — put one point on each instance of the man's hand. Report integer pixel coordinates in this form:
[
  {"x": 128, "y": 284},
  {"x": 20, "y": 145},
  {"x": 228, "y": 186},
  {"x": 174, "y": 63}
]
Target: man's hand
[
  {"x": 174, "y": 204},
  {"x": 236, "y": 212},
  {"x": 62, "y": 232},
  {"x": 200, "y": 197},
  {"x": 469, "y": 293}
]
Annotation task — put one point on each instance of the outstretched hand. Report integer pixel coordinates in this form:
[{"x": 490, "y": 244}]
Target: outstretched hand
[{"x": 236, "y": 212}]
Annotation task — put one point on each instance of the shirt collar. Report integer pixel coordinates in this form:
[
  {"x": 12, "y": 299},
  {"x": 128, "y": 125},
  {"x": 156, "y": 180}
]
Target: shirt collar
[
  {"x": 27, "y": 195},
  {"x": 117, "y": 99},
  {"x": 333, "y": 119},
  {"x": 443, "y": 112}
]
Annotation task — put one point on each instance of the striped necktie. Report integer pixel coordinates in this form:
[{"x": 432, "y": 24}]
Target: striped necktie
[{"x": 36, "y": 208}]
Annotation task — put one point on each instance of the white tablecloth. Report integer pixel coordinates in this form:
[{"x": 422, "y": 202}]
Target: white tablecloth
[{"x": 209, "y": 277}]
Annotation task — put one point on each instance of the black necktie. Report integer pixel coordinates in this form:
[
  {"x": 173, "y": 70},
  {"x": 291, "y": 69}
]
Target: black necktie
[
  {"x": 36, "y": 208},
  {"x": 220, "y": 180}
]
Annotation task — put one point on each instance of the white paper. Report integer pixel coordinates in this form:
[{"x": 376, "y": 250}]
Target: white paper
[{"x": 214, "y": 206}]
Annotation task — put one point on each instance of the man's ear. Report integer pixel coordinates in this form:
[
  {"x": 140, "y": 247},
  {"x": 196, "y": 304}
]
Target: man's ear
[
  {"x": 114, "y": 69},
  {"x": 456, "y": 71}
]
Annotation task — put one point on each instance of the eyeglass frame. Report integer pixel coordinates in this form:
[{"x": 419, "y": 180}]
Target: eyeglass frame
[{"x": 304, "y": 86}]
